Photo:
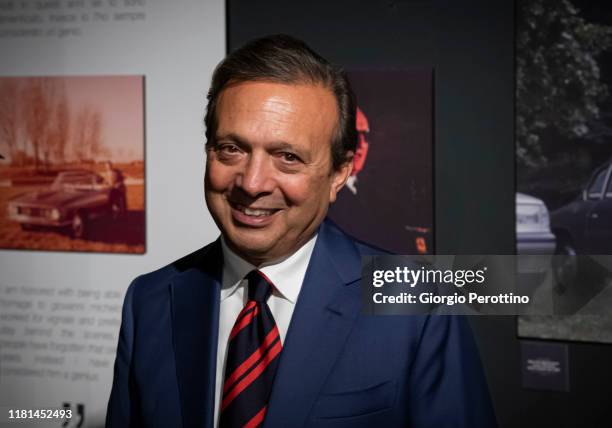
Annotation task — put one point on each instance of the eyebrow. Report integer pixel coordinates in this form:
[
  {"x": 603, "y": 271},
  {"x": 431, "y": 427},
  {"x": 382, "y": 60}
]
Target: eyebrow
[{"x": 232, "y": 137}]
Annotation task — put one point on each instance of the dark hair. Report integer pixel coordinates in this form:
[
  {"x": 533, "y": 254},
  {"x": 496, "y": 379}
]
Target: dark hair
[{"x": 285, "y": 59}]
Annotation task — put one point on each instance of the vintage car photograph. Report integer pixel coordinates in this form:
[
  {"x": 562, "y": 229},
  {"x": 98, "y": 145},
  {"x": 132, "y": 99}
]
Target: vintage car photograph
[
  {"x": 563, "y": 130},
  {"x": 72, "y": 163},
  {"x": 71, "y": 203}
]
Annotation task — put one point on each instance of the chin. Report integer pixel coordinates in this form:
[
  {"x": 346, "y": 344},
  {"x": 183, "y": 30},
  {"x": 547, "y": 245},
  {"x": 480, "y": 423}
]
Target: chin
[{"x": 248, "y": 245}]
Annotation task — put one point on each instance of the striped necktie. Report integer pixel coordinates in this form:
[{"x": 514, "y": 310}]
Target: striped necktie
[{"x": 252, "y": 357}]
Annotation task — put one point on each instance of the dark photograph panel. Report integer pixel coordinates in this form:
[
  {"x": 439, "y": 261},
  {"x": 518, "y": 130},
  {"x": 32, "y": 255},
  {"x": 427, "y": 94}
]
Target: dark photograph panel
[
  {"x": 563, "y": 152},
  {"x": 392, "y": 177},
  {"x": 72, "y": 163}
]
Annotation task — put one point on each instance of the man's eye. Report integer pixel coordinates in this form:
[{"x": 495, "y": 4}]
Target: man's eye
[
  {"x": 228, "y": 148},
  {"x": 290, "y": 157}
]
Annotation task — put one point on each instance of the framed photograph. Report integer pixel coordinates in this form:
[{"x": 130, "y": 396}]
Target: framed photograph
[
  {"x": 388, "y": 200},
  {"x": 72, "y": 169},
  {"x": 563, "y": 153}
]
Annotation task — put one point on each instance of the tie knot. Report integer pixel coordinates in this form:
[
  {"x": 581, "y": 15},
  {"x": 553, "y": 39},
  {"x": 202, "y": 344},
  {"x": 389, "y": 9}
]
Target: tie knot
[{"x": 260, "y": 287}]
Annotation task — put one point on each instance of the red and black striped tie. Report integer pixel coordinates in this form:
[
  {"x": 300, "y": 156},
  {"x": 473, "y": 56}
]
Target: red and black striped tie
[{"x": 252, "y": 356}]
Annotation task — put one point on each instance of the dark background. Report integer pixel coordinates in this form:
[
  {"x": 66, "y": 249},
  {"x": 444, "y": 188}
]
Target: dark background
[{"x": 470, "y": 45}]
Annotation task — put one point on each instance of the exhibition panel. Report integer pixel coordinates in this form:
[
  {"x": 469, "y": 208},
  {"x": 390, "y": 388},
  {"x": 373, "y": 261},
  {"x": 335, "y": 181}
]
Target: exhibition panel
[{"x": 102, "y": 148}]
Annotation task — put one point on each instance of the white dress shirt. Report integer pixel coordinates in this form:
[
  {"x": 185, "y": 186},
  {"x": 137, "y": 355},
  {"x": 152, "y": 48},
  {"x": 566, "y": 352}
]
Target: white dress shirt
[{"x": 287, "y": 276}]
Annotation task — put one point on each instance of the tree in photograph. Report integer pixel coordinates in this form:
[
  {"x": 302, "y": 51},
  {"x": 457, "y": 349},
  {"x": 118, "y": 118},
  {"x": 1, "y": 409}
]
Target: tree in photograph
[
  {"x": 80, "y": 133},
  {"x": 558, "y": 82},
  {"x": 87, "y": 141},
  {"x": 39, "y": 98},
  {"x": 95, "y": 136},
  {"x": 10, "y": 117},
  {"x": 60, "y": 129}
]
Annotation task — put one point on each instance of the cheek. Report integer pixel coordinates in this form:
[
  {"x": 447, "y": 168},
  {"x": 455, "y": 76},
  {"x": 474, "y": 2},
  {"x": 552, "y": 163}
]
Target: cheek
[
  {"x": 219, "y": 178},
  {"x": 310, "y": 192}
]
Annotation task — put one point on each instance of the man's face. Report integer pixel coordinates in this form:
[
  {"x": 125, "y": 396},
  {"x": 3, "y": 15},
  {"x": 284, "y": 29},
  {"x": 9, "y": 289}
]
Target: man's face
[{"x": 269, "y": 176}]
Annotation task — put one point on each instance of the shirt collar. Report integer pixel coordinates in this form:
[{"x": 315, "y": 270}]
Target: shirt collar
[{"x": 286, "y": 274}]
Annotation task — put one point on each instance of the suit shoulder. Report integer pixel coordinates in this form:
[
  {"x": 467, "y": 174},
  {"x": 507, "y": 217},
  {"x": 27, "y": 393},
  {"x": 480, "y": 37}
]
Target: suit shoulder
[{"x": 151, "y": 282}]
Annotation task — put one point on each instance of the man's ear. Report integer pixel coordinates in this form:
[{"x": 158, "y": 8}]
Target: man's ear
[{"x": 340, "y": 176}]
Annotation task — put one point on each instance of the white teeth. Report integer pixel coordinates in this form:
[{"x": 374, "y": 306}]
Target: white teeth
[
  {"x": 257, "y": 213},
  {"x": 254, "y": 212}
]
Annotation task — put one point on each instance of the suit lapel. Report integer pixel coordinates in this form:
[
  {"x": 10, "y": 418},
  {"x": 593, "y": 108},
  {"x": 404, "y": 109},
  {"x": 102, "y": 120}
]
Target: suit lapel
[
  {"x": 195, "y": 313},
  {"x": 322, "y": 320}
]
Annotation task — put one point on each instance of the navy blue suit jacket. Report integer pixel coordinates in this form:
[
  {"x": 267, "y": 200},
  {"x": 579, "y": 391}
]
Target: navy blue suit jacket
[{"x": 338, "y": 368}]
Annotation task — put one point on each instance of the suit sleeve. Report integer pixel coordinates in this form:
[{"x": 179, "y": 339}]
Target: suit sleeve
[
  {"x": 122, "y": 405},
  {"x": 447, "y": 383}
]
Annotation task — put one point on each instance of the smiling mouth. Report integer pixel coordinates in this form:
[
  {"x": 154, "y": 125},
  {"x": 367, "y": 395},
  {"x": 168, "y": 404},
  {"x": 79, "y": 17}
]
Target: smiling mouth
[{"x": 254, "y": 212}]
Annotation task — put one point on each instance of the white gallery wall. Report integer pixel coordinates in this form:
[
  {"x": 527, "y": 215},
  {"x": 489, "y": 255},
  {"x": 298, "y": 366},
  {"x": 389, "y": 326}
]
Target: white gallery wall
[{"x": 59, "y": 310}]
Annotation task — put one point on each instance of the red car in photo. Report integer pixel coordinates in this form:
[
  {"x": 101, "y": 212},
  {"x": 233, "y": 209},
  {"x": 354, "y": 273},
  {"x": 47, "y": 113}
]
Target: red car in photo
[{"x": 74, "y": 199}]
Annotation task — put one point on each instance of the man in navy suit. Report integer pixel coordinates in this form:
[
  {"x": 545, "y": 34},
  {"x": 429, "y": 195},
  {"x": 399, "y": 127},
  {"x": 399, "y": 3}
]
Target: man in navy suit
[{"x": 280, "y": 141}]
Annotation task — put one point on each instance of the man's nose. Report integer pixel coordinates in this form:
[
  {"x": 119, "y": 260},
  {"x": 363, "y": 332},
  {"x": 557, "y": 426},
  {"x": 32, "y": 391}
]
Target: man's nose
[{"x": 257, "y": 176}]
